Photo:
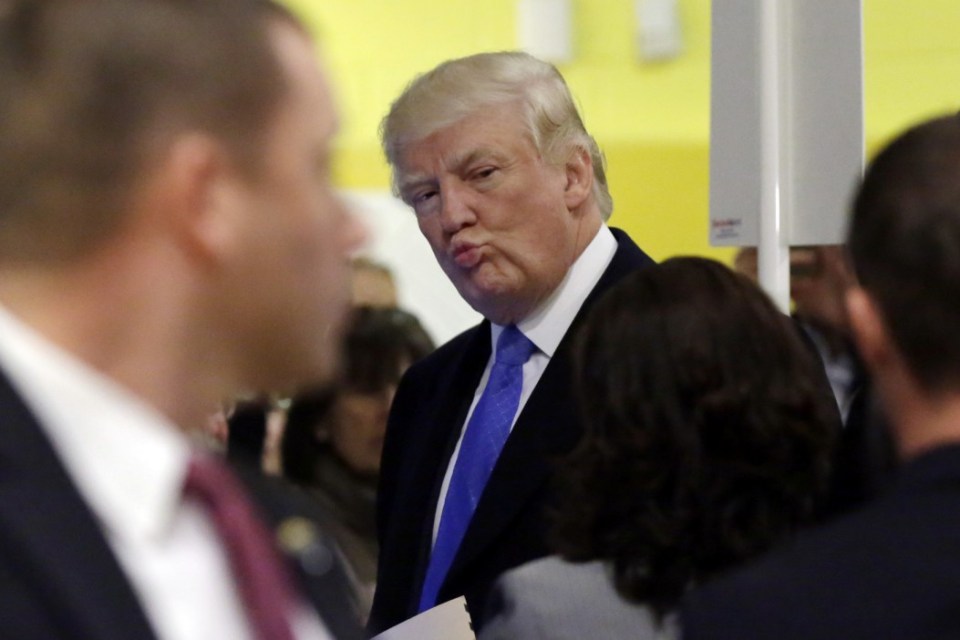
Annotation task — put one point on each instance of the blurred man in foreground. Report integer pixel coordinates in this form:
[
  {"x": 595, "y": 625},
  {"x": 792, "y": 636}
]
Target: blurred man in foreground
[{"x": 168, "y": 238}]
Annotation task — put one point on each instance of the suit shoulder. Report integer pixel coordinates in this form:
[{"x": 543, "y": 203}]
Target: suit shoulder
[
  {"x": 454, "y": 347},
  {"x": 629, "y": 254},
  {"x": 439, "y": 362},
  {"x": 801, "y": 583}
]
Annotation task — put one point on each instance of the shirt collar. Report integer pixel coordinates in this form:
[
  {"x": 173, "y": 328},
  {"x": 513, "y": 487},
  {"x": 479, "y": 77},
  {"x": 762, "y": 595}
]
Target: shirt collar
[
  {"x": 549, "y": 322},
  {"x": 127, "y": 460}
]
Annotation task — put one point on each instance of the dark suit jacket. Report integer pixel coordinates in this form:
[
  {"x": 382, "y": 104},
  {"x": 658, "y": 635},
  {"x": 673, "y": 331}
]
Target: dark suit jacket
[
  {"x": 58, "y": 576},
  {"x": 865, "y": 462},
  {"x": 887, "y": 572},
  {"x": 428, "y": 412}
]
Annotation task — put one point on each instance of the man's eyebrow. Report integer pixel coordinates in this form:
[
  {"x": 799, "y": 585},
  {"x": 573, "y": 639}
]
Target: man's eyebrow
[
  {"x": 476, "y": 155},
  {"x": 457, "y": 164}
]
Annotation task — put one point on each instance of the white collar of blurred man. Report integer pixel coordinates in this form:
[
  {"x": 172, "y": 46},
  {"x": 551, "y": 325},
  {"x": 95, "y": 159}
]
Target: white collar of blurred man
[
  {"x": 132, "y": 476},
  {"x": 216, "y": 281}
]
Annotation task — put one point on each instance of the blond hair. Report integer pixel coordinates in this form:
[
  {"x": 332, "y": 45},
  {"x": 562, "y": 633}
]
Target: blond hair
[{"x": 458, "y": 88}]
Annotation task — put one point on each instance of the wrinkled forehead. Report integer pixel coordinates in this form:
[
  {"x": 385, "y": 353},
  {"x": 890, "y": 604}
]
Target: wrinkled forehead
[
  {"x": 417, "y": 117},
  {"x": 490, "y": 131}
]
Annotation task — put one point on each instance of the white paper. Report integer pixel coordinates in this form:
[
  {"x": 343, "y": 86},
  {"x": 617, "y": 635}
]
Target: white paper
[{"x": 447, "y": 621}]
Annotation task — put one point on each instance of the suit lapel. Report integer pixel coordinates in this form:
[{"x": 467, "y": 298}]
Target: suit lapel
[{"x": 51, "y": 541}]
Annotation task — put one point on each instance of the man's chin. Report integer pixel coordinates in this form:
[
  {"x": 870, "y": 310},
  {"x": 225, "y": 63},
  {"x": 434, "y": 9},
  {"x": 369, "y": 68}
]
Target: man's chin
[{"x": 497, "y": 304}]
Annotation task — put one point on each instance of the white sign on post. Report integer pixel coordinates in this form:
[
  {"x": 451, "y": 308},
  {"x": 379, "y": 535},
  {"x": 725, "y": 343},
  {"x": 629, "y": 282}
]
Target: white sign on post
[{"x": 786, "y": 125}]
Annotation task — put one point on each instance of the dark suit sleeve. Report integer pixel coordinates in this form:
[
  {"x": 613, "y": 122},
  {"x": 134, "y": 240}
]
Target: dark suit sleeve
[
  {"x": 399, "y": 528},
  {"x": 312, "y": 554},
  {"x": 404, "y": 402}
]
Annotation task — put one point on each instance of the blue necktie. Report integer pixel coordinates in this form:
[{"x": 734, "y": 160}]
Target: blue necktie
[{"x": 486, "y": 432}]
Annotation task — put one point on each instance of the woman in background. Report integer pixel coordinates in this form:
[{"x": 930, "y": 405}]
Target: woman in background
[
  {"x": 332, "y": 441},
  {"x": 708, "y": 440}
]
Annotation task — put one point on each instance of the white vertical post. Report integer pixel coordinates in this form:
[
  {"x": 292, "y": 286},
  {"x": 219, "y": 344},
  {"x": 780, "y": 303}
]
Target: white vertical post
[{"x": 773, "y": 252}]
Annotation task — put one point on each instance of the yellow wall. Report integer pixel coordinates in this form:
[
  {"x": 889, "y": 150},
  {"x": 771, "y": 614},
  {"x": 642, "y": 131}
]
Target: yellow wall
[{"x": 650, "y": 119}]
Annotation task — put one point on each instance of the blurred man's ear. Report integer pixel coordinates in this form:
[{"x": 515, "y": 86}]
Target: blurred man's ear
[
  {"x": 579, "y": 174},
  {"x": 202, "y": 196},
  {"x": 869, "y": 329}
]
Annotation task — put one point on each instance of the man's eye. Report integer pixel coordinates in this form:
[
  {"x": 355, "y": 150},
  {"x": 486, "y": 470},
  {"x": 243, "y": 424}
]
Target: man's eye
[
  {"x": 425, "y": 202},
  {"x": 485, "y": 172},
  {"x": 423, "y": 197}
]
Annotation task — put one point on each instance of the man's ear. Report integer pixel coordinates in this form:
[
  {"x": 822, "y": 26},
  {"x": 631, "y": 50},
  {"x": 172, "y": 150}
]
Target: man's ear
[
  {"x": 579, "y": 178},
  {"x": 869, "y": 329},
  {"x": 201, "y": 195}
]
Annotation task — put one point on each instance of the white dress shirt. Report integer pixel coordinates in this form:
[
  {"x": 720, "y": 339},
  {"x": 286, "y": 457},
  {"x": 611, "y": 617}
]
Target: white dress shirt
[
  {"x": 129, "y": 463},
  {"x": 545, "y": 328}
]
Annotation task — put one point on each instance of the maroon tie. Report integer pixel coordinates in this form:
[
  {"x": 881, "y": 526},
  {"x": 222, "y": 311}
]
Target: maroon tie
[{"x": 257, "y": 567}]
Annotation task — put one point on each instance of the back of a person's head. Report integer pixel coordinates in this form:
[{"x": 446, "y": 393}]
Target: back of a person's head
[
  {"x": 373, "y": 284},
  {"x": 379, "y": 346},
  {"x": 707, "y": 436},
  {"x": 91, "y": 92},
  {"x": 904, "y": 240},
  {"x": 461, "y": 87}
]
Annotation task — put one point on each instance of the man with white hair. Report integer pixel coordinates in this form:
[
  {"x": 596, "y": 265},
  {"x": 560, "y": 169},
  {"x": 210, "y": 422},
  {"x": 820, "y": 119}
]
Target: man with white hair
[
  {"x": 509, "y": 190},
  {"x": 169, "y": 238}
]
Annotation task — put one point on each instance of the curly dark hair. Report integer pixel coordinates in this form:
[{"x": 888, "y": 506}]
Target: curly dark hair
[{"x": 707, "y": 437}]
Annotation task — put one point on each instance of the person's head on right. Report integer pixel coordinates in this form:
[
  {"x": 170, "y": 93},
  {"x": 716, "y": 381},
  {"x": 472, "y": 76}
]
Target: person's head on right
[
  {"x": 904, "y": 241},
  {"x": 350, "y": 419}
]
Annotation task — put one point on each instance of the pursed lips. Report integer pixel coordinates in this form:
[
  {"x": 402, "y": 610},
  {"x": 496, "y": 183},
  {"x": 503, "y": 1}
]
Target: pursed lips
[{"x": 466, "y": 254}]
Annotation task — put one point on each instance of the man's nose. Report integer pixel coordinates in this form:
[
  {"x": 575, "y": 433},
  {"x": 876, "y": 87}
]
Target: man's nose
[{"x": 456, "y": 210}]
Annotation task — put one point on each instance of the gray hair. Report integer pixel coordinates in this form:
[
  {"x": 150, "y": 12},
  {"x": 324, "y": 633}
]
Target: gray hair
[{"x": 458, "y": 88}]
